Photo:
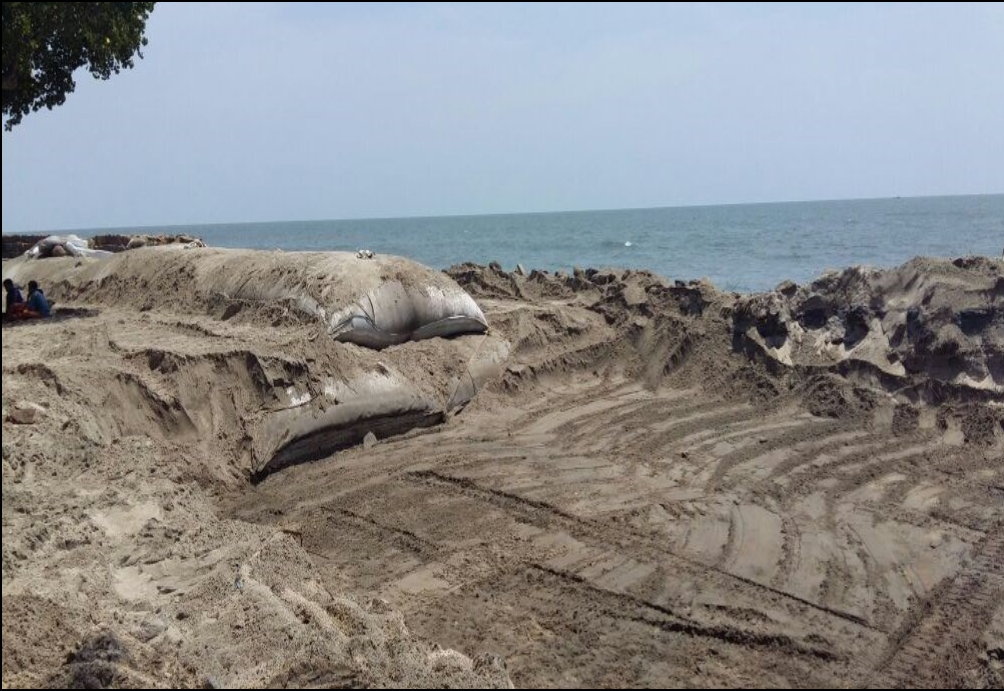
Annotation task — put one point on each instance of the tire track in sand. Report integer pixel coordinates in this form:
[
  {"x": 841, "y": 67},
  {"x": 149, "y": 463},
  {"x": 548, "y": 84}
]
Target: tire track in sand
[{"x": 929, "y": 652}]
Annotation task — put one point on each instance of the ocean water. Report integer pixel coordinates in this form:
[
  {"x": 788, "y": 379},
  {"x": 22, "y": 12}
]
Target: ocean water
[{"x": 742, "y": 247}]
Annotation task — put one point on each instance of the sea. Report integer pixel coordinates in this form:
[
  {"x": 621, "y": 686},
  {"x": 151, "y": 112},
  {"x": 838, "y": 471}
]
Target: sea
[{"x": 743, "y": 248}]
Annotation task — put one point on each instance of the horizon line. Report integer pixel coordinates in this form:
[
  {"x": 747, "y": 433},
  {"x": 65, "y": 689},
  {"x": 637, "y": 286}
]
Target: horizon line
[{"x": 493, "y": 215}]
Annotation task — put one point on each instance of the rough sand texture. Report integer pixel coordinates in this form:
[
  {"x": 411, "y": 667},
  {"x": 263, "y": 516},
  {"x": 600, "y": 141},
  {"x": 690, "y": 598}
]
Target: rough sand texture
[
  {"x": 665, "y": 486},
  {"x": 401, "y": 299}
]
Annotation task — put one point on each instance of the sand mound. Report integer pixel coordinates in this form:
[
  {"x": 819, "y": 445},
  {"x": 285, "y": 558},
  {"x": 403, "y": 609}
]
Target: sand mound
[
  {"x": 285, "y": 411},
  {"x": 123, "y": 243},
  {"x": 930, "y": 330},
  {"x": 934, "y": 323},
  {"x": 372, "y": 302}
]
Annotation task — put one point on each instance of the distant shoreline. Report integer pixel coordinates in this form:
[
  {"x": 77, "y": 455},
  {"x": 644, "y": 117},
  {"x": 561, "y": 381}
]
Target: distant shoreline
[
  {"x": 429, "y": 217},
  {"x": 740, "y": 248}
]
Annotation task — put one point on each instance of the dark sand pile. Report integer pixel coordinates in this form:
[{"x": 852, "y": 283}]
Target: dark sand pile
[
  {"x": 656, "y": 484},
  {"x": 929, "y": 326},
  {"x": 928, "y": 333},
  {"x": 15, "y": 246}
]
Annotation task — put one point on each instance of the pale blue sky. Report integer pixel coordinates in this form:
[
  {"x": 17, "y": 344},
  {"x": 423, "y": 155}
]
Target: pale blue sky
[{"x": 254, "y": 112}]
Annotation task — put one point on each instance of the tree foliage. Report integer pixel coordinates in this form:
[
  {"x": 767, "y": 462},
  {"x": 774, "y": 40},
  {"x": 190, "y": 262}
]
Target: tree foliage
[{"x": 44, "y": 43}]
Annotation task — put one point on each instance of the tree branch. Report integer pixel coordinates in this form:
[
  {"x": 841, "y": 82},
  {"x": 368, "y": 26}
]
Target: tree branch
[{"x": 10, "y": 81}]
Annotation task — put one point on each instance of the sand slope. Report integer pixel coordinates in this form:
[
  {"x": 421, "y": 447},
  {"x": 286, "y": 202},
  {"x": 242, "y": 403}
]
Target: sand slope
[{"x": 119, "y": 568}]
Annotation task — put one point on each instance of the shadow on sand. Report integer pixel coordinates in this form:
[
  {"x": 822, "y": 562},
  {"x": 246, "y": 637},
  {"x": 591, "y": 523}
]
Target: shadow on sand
[{"x": 58, "y": 315}]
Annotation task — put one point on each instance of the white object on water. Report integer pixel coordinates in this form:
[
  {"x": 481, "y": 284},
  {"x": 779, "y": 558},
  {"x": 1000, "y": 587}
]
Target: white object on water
[{"x": 629, "y": 244}]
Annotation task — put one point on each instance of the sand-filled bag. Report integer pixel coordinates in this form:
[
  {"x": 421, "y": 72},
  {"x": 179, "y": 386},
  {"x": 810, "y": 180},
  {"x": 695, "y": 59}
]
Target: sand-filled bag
[
  {"x": 56, "y": 246},
  {"x": 374, "y": 397},
  {"x": 373, "y": 302}
]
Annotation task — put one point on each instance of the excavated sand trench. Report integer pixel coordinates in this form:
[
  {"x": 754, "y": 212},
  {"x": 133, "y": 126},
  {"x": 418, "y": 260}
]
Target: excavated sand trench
[
  {"x": 594, "y": 529},
  {"x": 611, "y": 535},
  {"x": 646, "y": 497}
]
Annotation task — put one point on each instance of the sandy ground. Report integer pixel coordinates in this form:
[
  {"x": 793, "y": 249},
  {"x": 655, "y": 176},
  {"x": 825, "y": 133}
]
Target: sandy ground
[{"x": 667, "y": 486}]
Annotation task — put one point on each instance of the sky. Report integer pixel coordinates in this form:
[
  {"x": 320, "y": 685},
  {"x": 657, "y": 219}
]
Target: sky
[{"x": 307, "y": 111}]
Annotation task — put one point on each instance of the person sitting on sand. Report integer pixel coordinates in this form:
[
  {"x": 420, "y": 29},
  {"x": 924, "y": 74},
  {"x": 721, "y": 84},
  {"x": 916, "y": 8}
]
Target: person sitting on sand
[
  {"x": 36, "y": 300},
  {"x": 37, "y": 306},
  {"x": 14, "y": 296}
]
